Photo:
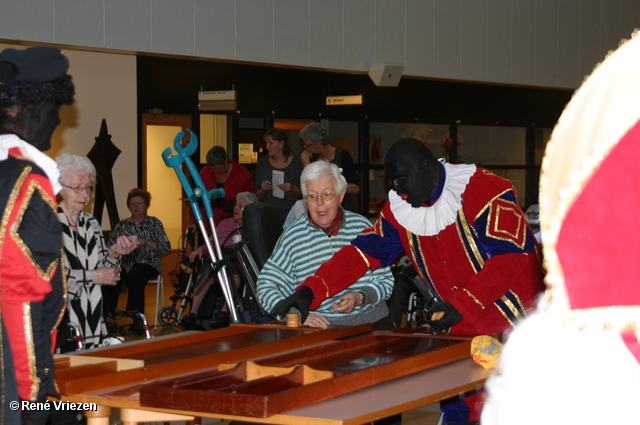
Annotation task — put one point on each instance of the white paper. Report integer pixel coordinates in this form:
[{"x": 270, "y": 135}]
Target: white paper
[{"x": 277, "y": 178}]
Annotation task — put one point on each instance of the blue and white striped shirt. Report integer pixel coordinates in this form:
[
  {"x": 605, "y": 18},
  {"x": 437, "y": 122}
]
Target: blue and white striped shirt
[{"x": 302, "y": 249}]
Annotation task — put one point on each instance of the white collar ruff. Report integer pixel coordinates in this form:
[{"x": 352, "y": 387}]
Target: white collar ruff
[
  {"x": 429, "y": 221},
  {"x": 48, "y": 165}
]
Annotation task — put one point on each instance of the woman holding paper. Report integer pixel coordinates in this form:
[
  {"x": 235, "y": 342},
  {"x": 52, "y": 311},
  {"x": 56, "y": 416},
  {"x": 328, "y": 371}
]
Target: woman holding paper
[{"x": 277, "y": 178}]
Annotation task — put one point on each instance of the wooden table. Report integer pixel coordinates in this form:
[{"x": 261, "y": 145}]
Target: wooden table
[
  {"x": 360, "y": 407},
  {"x": 363, "y": 406},
  {"x": 190, "y": 352}
]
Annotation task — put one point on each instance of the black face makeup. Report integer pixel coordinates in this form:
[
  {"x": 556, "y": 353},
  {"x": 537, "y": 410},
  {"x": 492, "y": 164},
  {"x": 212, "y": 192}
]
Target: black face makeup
[
  {"x": 39, "y": 121},
  {"x": 413, "y": 171}
]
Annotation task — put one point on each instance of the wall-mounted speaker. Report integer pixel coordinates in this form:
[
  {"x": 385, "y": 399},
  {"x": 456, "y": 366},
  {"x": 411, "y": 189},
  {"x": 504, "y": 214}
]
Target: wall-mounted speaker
[{"x": 385, "y": 75}]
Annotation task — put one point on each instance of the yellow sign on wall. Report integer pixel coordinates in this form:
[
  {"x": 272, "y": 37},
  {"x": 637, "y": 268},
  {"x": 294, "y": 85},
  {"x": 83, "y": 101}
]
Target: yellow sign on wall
[{"x": 245, "y": 153}]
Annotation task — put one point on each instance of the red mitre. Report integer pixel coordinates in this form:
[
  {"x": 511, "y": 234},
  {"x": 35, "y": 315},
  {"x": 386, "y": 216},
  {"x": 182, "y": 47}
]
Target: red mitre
[{"x": 590, "y": 201}]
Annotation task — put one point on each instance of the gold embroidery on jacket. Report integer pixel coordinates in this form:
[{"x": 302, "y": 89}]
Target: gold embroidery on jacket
[
  {"x": 364, "y": 258},
  {"x": 33, "y": 185},
  {"x": 468, "y": 235},
  {"x": 31, "y": 350},
  {"x": 488, "y": 204},
  {"x": 473, "y": 297}
]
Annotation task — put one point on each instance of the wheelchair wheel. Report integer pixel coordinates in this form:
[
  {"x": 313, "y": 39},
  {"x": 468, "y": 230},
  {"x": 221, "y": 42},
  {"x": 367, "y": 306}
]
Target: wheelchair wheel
[{"x": 168, "y": 315}]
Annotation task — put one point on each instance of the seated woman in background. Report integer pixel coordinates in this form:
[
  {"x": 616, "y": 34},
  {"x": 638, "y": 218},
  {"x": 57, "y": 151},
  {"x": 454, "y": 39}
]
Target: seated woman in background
[
  {"x": 310, "y": 241},
  {"x": 141, "y": 265},
  {"x": 89, "y": 263},
  {"x": 226, "y": 230}
]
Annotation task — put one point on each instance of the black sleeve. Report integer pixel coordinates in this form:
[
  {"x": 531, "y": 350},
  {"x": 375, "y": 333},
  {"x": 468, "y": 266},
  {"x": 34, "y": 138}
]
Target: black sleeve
[{"x": 349, "y": 169}]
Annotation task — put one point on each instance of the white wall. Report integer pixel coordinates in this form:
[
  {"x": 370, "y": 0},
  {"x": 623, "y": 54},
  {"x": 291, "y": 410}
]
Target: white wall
[
  {"x": 105, "y": 88},
  {"x": 552, "y": 43}
]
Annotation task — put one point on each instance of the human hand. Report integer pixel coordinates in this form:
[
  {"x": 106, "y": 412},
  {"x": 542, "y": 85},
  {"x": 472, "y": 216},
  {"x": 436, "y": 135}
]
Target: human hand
[
  {"x": 442, "y": 315},
  {"x": 106, "y": 276},
  {"x": 196, "y": 253},
  {"x": 348, "y": 302},
  {"x": 305, "y": 157},
  {"x": 266, "y": 185},
  {"x": 301, "y": 299},
  {"x": 316, "y": 321},
  {"x": 287, "y": 187},
  {"x": 124, "y": 245}
]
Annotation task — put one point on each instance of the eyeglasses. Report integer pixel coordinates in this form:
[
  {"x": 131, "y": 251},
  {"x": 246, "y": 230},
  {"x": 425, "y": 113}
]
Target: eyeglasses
[
  {"x": 239, "y": 206},
  {"x": 532, "y": 215},
  {"x": 136, "y": 204},
  {"x": 325, "y": 196},
  {"x": 307, "y": 145},
  {"x": 79, "y": 189}
]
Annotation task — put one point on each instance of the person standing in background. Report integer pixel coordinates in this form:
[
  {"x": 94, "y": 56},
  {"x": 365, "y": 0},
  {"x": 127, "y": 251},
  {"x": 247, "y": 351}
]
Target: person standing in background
[
  {"x": 221, "y": 172},
  {"x": 317, "y": 145},
  {"x": 283, "y": 166}
]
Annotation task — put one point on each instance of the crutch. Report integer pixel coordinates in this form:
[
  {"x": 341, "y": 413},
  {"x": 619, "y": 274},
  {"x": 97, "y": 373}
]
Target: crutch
[{"x": 199, "y": 191}]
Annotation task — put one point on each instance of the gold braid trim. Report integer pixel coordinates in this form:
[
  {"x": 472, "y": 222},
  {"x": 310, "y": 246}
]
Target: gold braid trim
[
  {"x": 325, "y": 285},
  {"x": 27, "y": 325},
  {"x": 364, "y": 258},
  {"x": 477, "y": 301}
]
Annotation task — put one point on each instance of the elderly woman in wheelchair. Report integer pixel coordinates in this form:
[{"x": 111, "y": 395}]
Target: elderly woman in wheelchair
[
  {"x": 227, "y": 231},
  {"x": 309, "y": 242}
]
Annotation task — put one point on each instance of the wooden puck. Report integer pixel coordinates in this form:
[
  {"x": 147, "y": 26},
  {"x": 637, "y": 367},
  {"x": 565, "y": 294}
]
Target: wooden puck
[{"x": 293, "y": 320}]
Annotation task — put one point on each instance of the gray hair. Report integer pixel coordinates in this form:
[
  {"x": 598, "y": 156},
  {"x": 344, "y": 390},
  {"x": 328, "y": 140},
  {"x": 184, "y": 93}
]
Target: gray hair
[
  {"x": 315, "y": 133},
  {"x": 319, "y": 170},
  {"x": 68, "y": 163},
  {"x": 248, "y": 196}
]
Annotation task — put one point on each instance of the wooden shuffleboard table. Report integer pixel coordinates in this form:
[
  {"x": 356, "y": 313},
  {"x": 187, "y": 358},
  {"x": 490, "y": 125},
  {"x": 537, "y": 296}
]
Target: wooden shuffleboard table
[{"x": 115, "y": 377}]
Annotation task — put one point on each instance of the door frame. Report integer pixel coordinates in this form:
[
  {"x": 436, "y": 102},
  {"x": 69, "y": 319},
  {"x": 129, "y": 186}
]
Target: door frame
[{"x": 182, "y": 121}]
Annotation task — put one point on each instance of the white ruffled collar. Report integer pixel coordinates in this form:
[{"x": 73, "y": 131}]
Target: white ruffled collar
[
  {"x": 48, "y": 165},
  {"x": 429, "y": 221}
]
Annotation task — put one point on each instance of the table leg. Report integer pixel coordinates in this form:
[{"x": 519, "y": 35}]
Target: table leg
[
  {"x": 100, "y": 416},
  {"x": 137, "y": 416}
]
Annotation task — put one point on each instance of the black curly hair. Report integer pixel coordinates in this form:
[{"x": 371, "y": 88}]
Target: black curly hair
[{"x": 22, "y": 93}]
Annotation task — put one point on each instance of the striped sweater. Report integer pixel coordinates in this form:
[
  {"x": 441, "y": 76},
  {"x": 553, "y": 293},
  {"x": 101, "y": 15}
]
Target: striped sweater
[{"x": 300, "y": 251}]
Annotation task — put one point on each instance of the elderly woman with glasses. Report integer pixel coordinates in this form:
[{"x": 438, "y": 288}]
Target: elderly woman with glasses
[
  {"x": 89, "y": 263},
  {"x": 317, "y": 145},
  {"x": 141, "y": 265},
  {"x": 311, "y": 240}
]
